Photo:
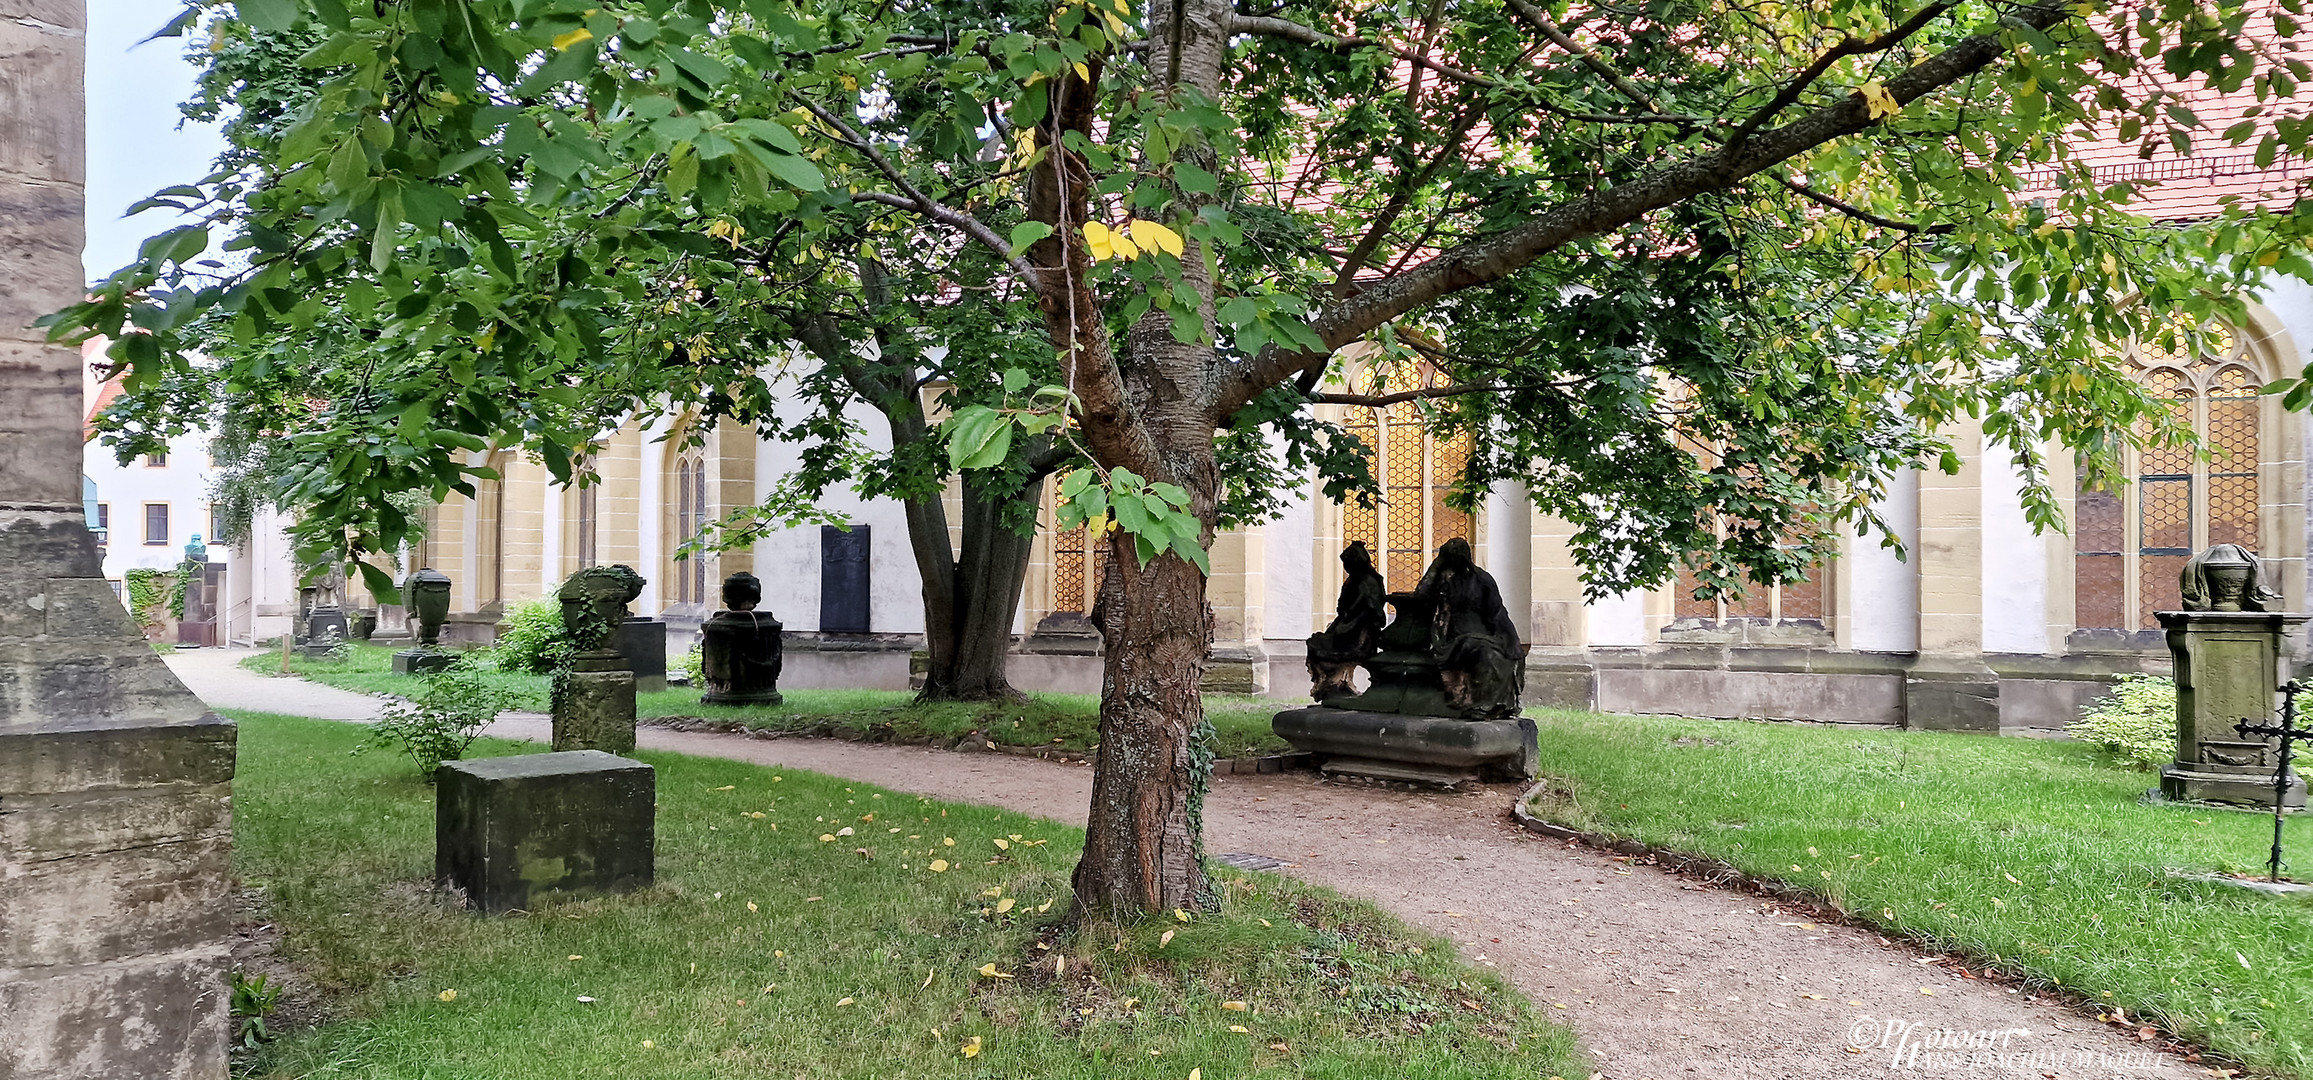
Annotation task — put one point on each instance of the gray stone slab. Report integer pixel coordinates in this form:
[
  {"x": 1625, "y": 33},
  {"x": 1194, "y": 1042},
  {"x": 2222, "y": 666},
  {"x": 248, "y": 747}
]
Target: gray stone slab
[
  {"x": 511, "y": 831},
  {"x": 1496, "y": 747}
]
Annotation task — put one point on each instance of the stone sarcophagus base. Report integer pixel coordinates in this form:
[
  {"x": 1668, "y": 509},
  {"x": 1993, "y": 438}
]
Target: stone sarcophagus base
[
  {"x": 512, "y": 830},
  {"x": 2229, "y": 668},
  {"x": 1412, "y": 749},
  {"x": 594, "y": 705},
  {"x": 421, "y": 661}
]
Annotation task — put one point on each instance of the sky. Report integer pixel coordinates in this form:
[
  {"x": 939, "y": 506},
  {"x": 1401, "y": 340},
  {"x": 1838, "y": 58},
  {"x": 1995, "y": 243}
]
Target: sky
[{"x": 135, "y": 143}]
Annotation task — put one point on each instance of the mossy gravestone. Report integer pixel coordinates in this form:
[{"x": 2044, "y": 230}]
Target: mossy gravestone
[
  {"x": 511, "y": 830},
  {"x": 2231, "y": 655},
  {"x": 594, "y": 692}
]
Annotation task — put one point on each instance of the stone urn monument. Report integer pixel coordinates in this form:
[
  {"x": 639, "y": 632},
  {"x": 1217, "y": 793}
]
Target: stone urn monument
[
  {"x": 326, "y": 626},
  {"x": 1447, "y": 675},
  {"x": 427, "y": 594},
  {"x": 739, "y": 648},
  {"x": 2232, "y": 653},
  {"x": 594, "y": 694}
]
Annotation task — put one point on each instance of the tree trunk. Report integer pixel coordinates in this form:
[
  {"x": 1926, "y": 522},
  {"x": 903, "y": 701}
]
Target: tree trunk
[
  {"x": 1144, "y": 842},
  {"x": 969, "y": 634}
]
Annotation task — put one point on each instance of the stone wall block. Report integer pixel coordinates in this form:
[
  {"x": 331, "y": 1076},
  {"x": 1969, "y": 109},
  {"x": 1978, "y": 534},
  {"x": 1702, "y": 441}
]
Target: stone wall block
[
  {"x": 181, "y": 757},
  {"x": 157, "y": 1016},
  {"x": 127, "y": 897},
  {"x": 39, "y": 246}
]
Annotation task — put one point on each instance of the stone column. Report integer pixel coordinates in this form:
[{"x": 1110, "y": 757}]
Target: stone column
[
  {"x": 115, "y": 824},
  {"x": 1558, "y": 668},
  {"x": 1238, "y": 594},
  {"x": 1949, "y": 687}
]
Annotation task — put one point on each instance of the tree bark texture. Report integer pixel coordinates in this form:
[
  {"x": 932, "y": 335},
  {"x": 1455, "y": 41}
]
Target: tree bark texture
[{"x": 968, "y": 633}]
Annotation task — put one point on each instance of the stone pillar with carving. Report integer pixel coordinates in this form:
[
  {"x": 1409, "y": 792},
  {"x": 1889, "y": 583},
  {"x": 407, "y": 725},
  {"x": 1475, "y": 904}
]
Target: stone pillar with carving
[
  {"x": 2231, "y": 657},
  {"x": 594, "y": 692}
]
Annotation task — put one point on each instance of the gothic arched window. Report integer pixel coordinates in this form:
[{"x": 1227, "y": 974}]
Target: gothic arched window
[
  {"x": 1414, "y": 470},
  {"x": 686, "y": 495},
  {"x": 2130, "y": 545}
]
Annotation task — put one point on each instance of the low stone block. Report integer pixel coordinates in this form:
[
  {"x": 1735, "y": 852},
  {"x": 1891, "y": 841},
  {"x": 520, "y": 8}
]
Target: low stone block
[
  {"x": 512, "y": 830},
  {"x": 421, "y": 661},
  {"x": 643, "y": 641},
  {"x": 1498, "y": 748},
  {"x": 594, "y": 709}
]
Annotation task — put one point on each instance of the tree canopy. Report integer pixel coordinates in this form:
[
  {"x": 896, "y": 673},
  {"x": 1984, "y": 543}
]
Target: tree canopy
[{"x": 1698, "y": 276}]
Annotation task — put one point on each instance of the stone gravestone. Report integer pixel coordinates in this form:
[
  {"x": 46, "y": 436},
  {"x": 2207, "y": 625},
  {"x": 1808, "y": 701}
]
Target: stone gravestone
[
  {"x": 511, "y": 830},
  {"x": 116, "y": 923},
  {"x": 843, "y": 580},
  {"x": 427, "y": 592},
  {"x": 1446, "y": 679},
  {"x": 643, "y": 641},
  {"x": 594, "y": 693},
  {"x": 2231, "y": 657},
  {"x": 740, "y": 650},
  {"x": 326, "y": 626}
]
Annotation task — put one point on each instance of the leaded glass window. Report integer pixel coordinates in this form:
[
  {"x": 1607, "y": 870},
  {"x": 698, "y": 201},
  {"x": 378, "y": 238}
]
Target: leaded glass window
[
  {"x": 2130, "y": 545},
  {"x": 1410, "y": 519}
]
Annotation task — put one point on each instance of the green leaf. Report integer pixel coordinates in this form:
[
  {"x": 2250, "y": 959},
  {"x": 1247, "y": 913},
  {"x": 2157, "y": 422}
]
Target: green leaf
[
  {"x": 1026, "y": 234},
  {"x": 1014, "y": 379},
  {"x": 978, "y": 437},
  {"x": 793, "y": 171},
  {"x": 268, "y": 15},
  {"x": 1193, "y": 180}
]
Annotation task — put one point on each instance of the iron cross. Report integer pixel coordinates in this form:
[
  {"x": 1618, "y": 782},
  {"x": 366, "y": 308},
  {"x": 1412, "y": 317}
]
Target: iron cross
[{"x": 2288, "y": 732}]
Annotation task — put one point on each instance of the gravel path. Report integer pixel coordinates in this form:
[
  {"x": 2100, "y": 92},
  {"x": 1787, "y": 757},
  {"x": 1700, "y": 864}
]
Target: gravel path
[{"x": 1661, "y": 978}]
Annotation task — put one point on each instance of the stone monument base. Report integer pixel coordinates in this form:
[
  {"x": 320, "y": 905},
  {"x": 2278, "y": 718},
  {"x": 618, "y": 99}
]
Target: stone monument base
[
  {"x": 2221, "y": 783},
  {"x": 594, "y": 705},
  {"x": 512, "y": 829},
  {"x": 421, "y": 661},
  {"x": 741, "y": 697},
  {"x": 1411, "y": 749}
]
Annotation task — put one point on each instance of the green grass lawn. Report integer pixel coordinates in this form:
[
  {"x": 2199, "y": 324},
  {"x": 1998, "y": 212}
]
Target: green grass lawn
[
  {"x": 2037, "y": 857},
  {"x": 773, "y": 947},
  {"x": 1068, "y": 721}
]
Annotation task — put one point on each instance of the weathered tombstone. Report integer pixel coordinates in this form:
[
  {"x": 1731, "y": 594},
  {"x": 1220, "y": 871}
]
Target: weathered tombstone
[
  {"x": 2231, "y": 656},
  {"x": 511, "y": 830},
  {"x": 740, "y": 650},
  {"x": 427, "y": 592},
  {"x": 643, "y": 641},
  {"x": 326, "y": 626},
  {"x": 115, "y": 782},
  {"x": 843, "y": 580},
  {"x": 1446, "y": 677},
  {"x": 594, "y": 693}
]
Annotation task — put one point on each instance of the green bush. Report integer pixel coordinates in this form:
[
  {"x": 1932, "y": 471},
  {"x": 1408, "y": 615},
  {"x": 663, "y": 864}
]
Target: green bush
[
  {"x": 689, "y": 667},
  {"x": 2137, "y": 720},
  {"x": 534, "y": 642},
  {"x": 447, "y": 714}
]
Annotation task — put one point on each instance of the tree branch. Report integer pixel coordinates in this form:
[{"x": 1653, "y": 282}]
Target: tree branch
[
  {"x": 1847, "y": 47},
  {"x": 1377, "y": 401},
  {"x": 1491, "y": 258},
  {"x": 913, "y": 197},
  {"x": 1550, "y": 29},
  {"x": 1857, "y": 212},
  {"x": 1293, "y": 31}
]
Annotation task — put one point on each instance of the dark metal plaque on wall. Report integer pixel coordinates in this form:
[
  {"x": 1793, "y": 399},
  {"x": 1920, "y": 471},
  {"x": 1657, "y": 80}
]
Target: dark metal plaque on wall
[{"x": 843, "y": 567}]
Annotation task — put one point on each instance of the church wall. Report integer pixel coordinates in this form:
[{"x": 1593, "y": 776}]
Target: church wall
[
  {"x": 2015, "y": 565},
  {"x": 1880, "y": 598}
]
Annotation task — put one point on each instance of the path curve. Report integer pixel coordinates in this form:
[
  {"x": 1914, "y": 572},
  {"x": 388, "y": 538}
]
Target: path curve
[{"x": 1661, "y": 978}]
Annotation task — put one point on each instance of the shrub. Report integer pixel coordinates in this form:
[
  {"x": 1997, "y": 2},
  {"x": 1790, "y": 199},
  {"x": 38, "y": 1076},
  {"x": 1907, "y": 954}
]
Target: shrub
[
  {"x": 448, "y": 713},
  {"x": 2137, "y": 720},
  {"x": 534, "y": 642},
  {"x": 690, "y": 668}
]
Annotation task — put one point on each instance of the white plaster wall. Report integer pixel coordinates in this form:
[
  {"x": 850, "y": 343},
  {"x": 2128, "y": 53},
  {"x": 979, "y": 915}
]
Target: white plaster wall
[
  {"x": 1885, "y": 589},
  {"x": 1507, "y": 521},
  {"x": 2015, "y": 563},
  {"x": 1618, "y": 621},
  {"x": 788, "y": 560},
  {"x": 1290, "y": 551}
]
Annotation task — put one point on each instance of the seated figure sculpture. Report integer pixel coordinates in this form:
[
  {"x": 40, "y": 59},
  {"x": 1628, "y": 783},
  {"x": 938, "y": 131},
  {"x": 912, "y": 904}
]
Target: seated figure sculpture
[
  {"x": 1355, "y": 633},
  {"x": 1476, "y": 645},
  {"x": 740, "y": 650}
]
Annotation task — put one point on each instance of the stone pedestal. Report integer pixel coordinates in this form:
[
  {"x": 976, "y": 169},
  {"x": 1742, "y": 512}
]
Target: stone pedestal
[
  {"x": 1416, "y": 749},
  {"x": 741, "y": 654},
  {"x": 643, "y": 641},
  {"x": 513, "y": 830},
  {"x": 421, "y": 661},
  {"x": 1950, "y": 694},
  {"x": 594, "y": 704},
  {"x": 2229, "y": 667}
]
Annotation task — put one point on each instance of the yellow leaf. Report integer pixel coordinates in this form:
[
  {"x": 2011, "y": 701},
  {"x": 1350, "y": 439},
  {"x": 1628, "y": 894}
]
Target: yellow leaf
[
  {"x": 1155, "y": 237},
  {"x": 1196, "y": 1074},
  {"x": 2011, "y": 878},
  {"x": 2269, "y": 258},
  {"x": 928, "y": 982},
  {"x": 1097, "y": 241},
  {"x": 1238, "y": 1028},
  {"x": 826, "y": 837},
  {"x": 1083, "y": 72},
  {"x": 1165, "y": 940},
  {"x": 1044, "y": 907},
  {"x": 1878, "y": 102},
  {"x": 971, "y": 1048},
  {"x": 939, "y": 866},
  {"x": 575, "y": 956},
  {"x": 1127, "y": 1003},
  {"x": 1266, "y": 922},
  {"x": 448, "y": 995},
  {"x": 1003, "y": 844},
  {"x": 1180, "y": 914},
  {"x": 842, "y": 1002},
  {"x": 572, "y": 38},
  {"x": 993, "y": 890},
  {"x": 751, "y": 906},
  {"x": 1235, "y": 1006},
  {"x": 647, "y": 1044},
  {"x": 726, "y": 227},
  {"x": 988, "y": 970},
  {"x": 1004, "y": 905},
  {"x": 947, "y": 841}
]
